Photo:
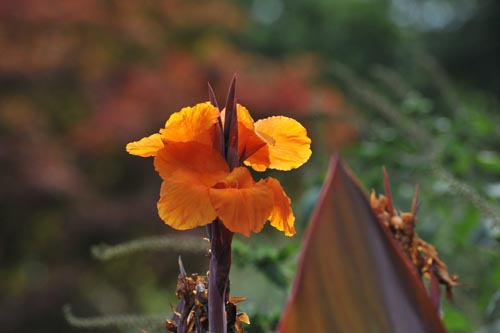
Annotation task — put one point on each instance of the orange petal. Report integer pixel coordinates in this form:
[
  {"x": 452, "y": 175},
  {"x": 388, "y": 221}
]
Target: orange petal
[
  {"x": 248, "y": 141},
  {"x": 243, "y": 208},
  {"x": 145, "y": 147},
  {"x": 202, "y": 161},
  {"x": 287, "y": 141},
  {"x": 249, "y": 144},
  {"x": 185, "y": 202},
  {"x": 196, "y": 124},
  {"x": 188, "y": 170},
  {"x": 281, "y": 217},
  {"x": 244, "y": 117},
  {"x": 259, "y": 160}
]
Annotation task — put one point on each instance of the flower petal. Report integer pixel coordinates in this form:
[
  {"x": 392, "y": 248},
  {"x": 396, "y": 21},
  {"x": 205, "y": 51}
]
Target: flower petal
[
  {"x": 196, "y": 124},
  {"x": 189, "y": 169},
  {"x": 145, "y": 147},
  {"x": 185, "y": 202},
  {"x": 248, "y": 141},
  {"x": 244, "y": 117},
  {"x": 281, "y": 217},
  {"x": 287, "y": 141},
  {"x": 244, "y": 208},
  {"x": 205, "y": 163},
  {"x": 259, "y": 160}
]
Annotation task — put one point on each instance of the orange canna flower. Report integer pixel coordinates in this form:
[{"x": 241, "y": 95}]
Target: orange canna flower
[{"x": 198, "y": 185}]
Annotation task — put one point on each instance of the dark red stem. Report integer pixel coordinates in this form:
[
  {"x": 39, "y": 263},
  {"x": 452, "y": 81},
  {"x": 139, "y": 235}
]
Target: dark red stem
[
  {"x": 390, "y": 204},
  {"x": 218, "y": 281}
]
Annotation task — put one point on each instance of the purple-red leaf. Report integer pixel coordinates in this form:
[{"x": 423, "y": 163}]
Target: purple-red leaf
[
  {"x": 219, "y": 143},
  {"x": 211, "y": 96},
  {"x": 352, "y": 275},
  {"x": 231, "y": 127}
]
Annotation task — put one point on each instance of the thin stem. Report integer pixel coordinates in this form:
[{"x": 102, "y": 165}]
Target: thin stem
[
  {"x": 156, "y": 243},
  {"x": 153, "y": 322}
]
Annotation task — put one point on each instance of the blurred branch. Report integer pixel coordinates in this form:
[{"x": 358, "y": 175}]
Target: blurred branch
[
  {"x": 180, "y": 244},
  {"x": 363, "y": 90},
  {"x": 443, "y": 84},
  {"x": 441, "y": 81},
  {"x": 392, "y": 80},
  {"x": 120, "y": 321},
  {"x": 468, "y": 192}
]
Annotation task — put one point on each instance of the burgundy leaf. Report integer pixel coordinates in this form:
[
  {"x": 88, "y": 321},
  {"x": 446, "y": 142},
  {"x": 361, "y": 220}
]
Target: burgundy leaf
[
  {"x": 231, "y": 126},
  {"x": 219, "y": 143},
  {"x": 211, "y": 96},
  {"x": 352, "y": 275}
]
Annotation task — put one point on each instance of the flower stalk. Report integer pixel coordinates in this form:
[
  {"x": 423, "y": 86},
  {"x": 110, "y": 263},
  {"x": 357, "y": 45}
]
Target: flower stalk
[
  {"x": 220, "y": 237},
  {"x": 218, "y": 281}
]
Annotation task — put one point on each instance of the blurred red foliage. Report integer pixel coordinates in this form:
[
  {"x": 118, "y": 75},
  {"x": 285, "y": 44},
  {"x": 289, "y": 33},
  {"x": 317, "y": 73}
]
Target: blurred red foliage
[{"x": 81, "y": 78}]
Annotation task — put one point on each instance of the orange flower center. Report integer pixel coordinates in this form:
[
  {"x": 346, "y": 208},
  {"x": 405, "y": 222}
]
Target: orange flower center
[{"x": 234, "y": 180}]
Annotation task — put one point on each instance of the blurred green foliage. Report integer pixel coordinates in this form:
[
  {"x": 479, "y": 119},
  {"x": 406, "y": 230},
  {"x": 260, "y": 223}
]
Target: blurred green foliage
[{"x": 412, "y": 85}]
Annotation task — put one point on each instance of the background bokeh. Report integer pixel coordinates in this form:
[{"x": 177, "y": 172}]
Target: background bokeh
[{"x": 412, "y": 85}]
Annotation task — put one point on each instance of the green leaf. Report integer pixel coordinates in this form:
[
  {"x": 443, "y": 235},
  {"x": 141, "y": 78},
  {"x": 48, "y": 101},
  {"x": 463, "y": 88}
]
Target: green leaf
[
  {"x": 456, "y": 320},
  {"x": 489, "y": 160}
]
